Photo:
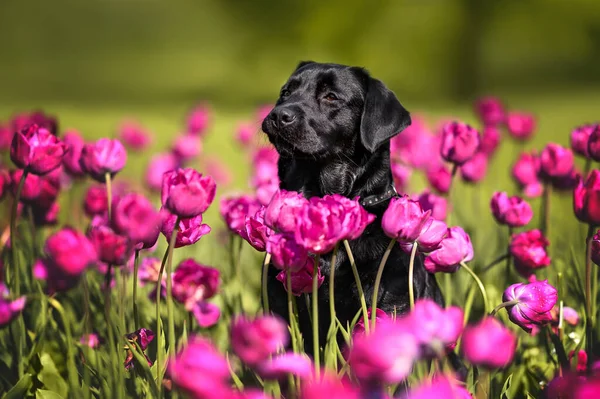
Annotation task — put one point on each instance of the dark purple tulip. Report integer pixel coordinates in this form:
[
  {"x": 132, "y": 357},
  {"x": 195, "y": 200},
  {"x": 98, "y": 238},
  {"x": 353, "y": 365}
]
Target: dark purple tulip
[
  {"x": 36, "y": 150},
  {"x": 186, "y": 193},
  {"x": 189, "y": 231},
  {"x": 135, "y": 217},
  {"x": 102, "y": 157},
  {"x": 95, "y": 201},
  {"x": 74, "y": 143},
  {"x": 112, "y": 248}
]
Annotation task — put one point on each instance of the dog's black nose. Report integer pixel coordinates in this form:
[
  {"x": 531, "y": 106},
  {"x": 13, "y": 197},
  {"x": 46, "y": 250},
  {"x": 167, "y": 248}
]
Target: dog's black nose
[{"x": 282, "y": 117}]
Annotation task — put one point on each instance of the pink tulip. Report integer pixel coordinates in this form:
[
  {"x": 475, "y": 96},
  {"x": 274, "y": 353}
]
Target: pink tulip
[
  {"x": 245, "y": 133},
  {"x": 475, "y": 169},
  {"x": 435, "y": 328},
  {"x": 186, "y": 193},
  {"x": 594, "y": 144},
  {"x": 328, "y": 387},
  {"x": 359, "y": 327},
  {"x": 528, "y": 250},
  {"x": 199, "y": 369},
  {"x": 74, "y": 146},
  {"x": 158, "y": 166},
  {"x": 142, "y": 337},
  {"x": 90, "y": 340},
  {"x": 198, "y": 120},
  {"x": 534, "y": 303},
  {"x": 286, "y": 252},
  {"x": 556, "y": 161},
  {"x": 520, "y": 125},
  {"x": 459, "y": 142},
  {"x": 279, "y": 367},
  {"x": 38, "y": 191},
  {"x": 354, "y": 217},
  {"x": 440, "y": 387},
  {"x": 511, "y": 211},
  {"x": 254, "y": 341},
  {"x": 401, "y": 175},
  {"x": 9, "y": 310},
  {"x": 189, "y": 230},
  {"x": 266, "y": 190},
  {"x": 70, "y": 251},
  {"x": 436, "y": 204},
  {"x": 570, "y": 316},
  {"x": 405, "y": 221},
  {"x": 586, "y": 199},
  {"x": 194, "y": 282},
  {"x": 187, "y": 147},
  {"x": 490, "y": 139},
  {"x": 134, "y": 136},
  {"x": 385, "y": 356},
  {"x": 112, "y": 248},
  {"x": 318, "y": 229},
  {"x": 301, "y": 279},
  {"x": 105, "y": 156},
  {"x": 39, "y": 118},
  {"x": 489, "y": 344},
  {"x": 37, "y": 150},
  {"x": 135, "y": 217},
  {"x": 255, "y": 231},
  {"x": 439, "y": 178},
  {"x": 95, "y": 201},
  {"x": 490, "y": 111},
  {"x": 283, "y": 211},
  {"x": 453, "y": 250},
  {"x": 234, "y": 211},
  {"x": 149, "y": 270},
  {"x": 580, "y": 137},
  {"x": 596, "y": 248}
]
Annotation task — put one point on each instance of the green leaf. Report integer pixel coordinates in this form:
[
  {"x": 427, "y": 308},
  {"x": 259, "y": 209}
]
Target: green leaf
[
  {"x": 43, "y": 394},
  {"x": 50, "y": 376},
  {"x": 19, "y": 391},
  {"x": 506, "y": 387}
]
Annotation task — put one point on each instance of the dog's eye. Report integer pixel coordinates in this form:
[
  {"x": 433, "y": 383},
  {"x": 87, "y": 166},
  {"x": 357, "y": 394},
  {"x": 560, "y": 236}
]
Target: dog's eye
[
  {"x": 330, "y": 97},
  {"x": 284, "y": 93}
]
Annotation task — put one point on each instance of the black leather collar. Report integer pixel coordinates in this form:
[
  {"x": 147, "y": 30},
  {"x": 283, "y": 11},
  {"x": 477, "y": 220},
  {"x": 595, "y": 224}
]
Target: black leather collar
[{"x": 373, "y": 200}]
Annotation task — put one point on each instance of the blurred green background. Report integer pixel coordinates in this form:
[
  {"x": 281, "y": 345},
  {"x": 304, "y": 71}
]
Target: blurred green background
[{"x": 95, "y": 62}]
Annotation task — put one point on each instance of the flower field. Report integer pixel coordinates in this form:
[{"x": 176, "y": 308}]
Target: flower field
[{"x": 133, "y": 248}]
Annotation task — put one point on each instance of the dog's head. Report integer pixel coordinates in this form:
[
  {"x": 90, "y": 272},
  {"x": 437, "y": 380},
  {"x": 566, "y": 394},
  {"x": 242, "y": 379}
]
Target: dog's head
[{"x": 327, "y": 109}]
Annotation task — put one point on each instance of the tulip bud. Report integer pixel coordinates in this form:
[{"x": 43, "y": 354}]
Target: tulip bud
[{"x": 459, "y": 142}]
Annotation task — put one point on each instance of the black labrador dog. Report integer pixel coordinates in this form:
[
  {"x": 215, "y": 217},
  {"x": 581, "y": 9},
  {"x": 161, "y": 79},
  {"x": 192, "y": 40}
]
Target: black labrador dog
[{"x": 331, "y": 126}]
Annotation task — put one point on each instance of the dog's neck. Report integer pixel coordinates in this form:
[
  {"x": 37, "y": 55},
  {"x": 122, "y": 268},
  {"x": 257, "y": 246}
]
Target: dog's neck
[{"x": 363, "y": 175}]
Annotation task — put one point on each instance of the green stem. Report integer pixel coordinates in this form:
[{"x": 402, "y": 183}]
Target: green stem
[
  {"x": 504, "y": 305},
  {"x": 587, "y": 167},
  {"x": 479, "y": 284},
  {"x": 109, "y": 330},
  {"x": 159, "y": 322},
  {"x": 495, "y": 262},
  {"x": 136, "y": 266},
  {"x": 589, "y": 323},
  {"x": 71, "y": 367},
  {"x": 508, "y": 258},
  {"x": 291, "y": 313},
  {"x": 361, "y": 293},
  {"x": 170, "y": 319},
  {"x": 16, "y": 276},
  {"x": 315, "y": 316},
  {"x": 265, "y": 274},
  {"x": 384, "y": 259},
  {"x": 411, "y": 282},
  {"x": 448, "y": 289},
  {"x": 332, "y": 286},
  {"x": 108, "y": 194}
]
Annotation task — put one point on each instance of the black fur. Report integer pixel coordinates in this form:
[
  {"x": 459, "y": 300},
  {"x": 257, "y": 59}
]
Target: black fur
[{"x": 331, "y": 126}]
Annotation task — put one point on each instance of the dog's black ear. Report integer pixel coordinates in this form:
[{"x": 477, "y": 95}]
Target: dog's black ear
[
  {"x": 383, "y": 116},
  {"x": 303, "y": 63}
]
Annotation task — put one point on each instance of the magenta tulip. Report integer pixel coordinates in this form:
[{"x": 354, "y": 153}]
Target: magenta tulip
[
  {"x": 105, "y": 156},
  {"x": 440, "y": 387},
  {"x": 490, "y": 139},
  {"x": 436, "y": 204},
  {"x": 401, "y": 175},
  {"x": 9, "y": 310},
  {"x": 528, "y": 250},
  {"x": 134, "y": 136},
  {"x": 385, "y": 356},
  {"x": 580, "y": 137},
  {"x": 245, "y": 133},
  {"x": 95, "y": 201},
  {"x": 556, "y": 161},
  {"x": 354, "y": 217},
  {"x": 149, "y": 270},
  {"x": 235, "y": 210},
  {"x": 302, "y": 278},
  {"x": 70, "y": 251},
  {"x": 36, "y": 150},
  {"x": 187, "y": 147},
  {"x": 255, "y": 231},
  {"x": 199, "y": 369},
  {"x": 198, "y": 120},
  {"x": 74, "y": 146},
  {"x": 189, "y": 230},
  {"x": 490, "y": 111},
  {"x": 286, "y": 253},
  {"x": 489, "y": 344},
  {"x": 594, "y": 144},
  {"x": 520, "y": 125},
  {"x": 135, "y": 217},
  {"x": 280, "y": 367},
  {"x": 511, "y": 211},
  {"x": 475, "y": 169},
  {"x": 435, "y": 328},
  {"x": 194, "y": 282},
  {"x": 329, "y": 387},
  {"x": 112, "y": 248},
  {"x": 596, "y": 248},
  {"x": 142, "y": 337},
  {"x": 6, "y": 136},
  {"x": 158, "y": 166},
  {"x": 283, "y": 211},
  {"x": 439, "y": 178},
  {"x": 254, "y": 341},
  {"x": 455, "y": 248},
  {"x": 359, "y": 327},
  {"x": 459, "y": 142},
  {"x": 43, "y": 120},
  {"x": 186, "y": 193},
  {"x": 534, "y": 302},
  {"x": 90, "y": 340},
  {"x": 586, "y": 199},
  {"x": 38, "y": 191},
  {"x": 319, "y": 229}
]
